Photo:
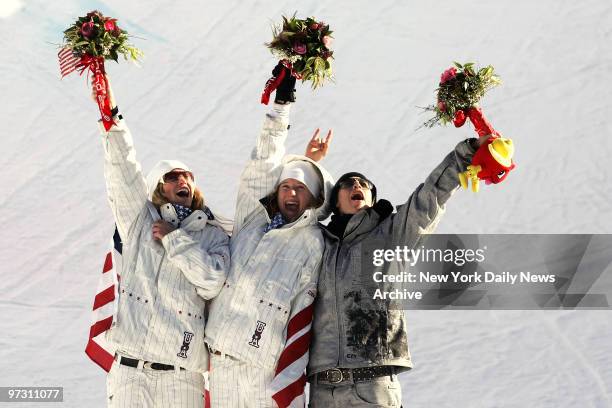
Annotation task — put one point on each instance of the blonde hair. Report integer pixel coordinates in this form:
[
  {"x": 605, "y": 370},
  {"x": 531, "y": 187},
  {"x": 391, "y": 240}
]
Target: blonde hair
[{"x": 158, "y": 198}]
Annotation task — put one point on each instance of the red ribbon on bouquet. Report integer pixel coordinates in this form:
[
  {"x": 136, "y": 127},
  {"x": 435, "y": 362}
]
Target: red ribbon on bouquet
[
  {"x": 275, "y": 81},
  {"x": 95, "y": 65},
  {"x": 481, "y": 124}
]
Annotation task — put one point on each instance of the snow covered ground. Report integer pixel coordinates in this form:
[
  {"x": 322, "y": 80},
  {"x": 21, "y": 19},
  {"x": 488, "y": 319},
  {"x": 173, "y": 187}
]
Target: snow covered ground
[{"x": 196, "y": 98}]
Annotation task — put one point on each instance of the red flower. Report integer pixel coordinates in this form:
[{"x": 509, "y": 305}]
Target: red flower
[
  {"x": 109, "y": 24},
  {"x": 87, "y": 29},
  {"x": 448, "y": 75},
  {"x": 441, "y": 106},
  {"x": 315, "y": 26},
  {"x": 299, "y": 48}
]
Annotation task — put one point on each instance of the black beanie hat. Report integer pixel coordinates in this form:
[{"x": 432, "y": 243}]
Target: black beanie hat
[{"x": 334, "y": 193}]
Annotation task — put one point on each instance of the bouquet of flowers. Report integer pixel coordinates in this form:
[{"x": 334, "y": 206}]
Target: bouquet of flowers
[
  {"x": 90, "y": 41},
  {"x": 460, "y": 90},
  {"x": 461, "y": 87},
  {"x": 305, "y": 46}
]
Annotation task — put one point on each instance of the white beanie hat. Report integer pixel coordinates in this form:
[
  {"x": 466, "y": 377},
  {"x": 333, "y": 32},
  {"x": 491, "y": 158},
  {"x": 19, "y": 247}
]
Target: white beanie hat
[
  {"x": 158, "y": 171},
  {"x": 303, "y": 172}
]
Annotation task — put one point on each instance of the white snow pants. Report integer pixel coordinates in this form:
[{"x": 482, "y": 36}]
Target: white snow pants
[
  {"x": 146, "y": 388},
  {"x": 236, "y": 384}
]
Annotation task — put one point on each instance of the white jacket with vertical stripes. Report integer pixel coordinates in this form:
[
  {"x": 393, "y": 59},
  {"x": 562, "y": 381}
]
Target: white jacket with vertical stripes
[
  {"x": 272, "y": 275},
  {"x": 163, "y": 286}
]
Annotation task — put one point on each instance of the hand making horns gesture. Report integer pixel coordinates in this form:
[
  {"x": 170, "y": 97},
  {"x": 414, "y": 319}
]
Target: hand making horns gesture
[{"x": 317, "y": 148}]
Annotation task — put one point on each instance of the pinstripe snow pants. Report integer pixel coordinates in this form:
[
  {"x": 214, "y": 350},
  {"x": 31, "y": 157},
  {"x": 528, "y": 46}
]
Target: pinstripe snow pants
[
  {"x": 146, "y": 388},
  {"x": 236, "y": 384}
]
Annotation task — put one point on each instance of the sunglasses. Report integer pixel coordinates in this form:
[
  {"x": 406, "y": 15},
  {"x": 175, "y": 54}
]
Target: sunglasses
[
  {"x": 174, "y": 175},
  {"x": 349, "y": 183}
]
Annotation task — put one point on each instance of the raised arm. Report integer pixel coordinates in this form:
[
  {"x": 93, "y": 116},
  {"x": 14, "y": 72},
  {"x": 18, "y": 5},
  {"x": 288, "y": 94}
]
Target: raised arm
[
  {"x": 264, "y": 167},
  {"x": 422, "y": 212},
  {"x": 125, "y": 183}
]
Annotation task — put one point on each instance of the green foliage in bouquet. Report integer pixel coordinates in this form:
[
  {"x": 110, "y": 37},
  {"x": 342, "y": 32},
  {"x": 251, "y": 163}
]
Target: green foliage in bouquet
[
  {"x": 461, "y": 87},
  {"x": 306, "y": 44},
  {"x": 99, "y": 36}
]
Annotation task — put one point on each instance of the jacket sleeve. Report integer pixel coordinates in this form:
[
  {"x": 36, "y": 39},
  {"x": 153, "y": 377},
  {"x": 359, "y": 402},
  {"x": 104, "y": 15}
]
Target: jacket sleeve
[
  {"x": 422, "y": 212},
  {"x": 264, "y": 167},
  {"x": 125, "y": 183},
  {"x": 294, "y": 357},
  {"x": 205, "y": 264}
]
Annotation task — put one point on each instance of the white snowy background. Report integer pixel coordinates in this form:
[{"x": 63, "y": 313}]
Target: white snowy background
[{"x": 196, "y": 98}]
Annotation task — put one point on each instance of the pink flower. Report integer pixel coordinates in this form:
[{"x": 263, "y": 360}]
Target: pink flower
[
  {"x": 299, "y": 48},
  {"x": 448, "y": 75},
  {"x": 441, "y": 106},
  {"x": 87, "y": 29},
  {"x": 315, "y": 26},
  {"x": 327, "y": 41},
  {"x": 109, "y": 24}
]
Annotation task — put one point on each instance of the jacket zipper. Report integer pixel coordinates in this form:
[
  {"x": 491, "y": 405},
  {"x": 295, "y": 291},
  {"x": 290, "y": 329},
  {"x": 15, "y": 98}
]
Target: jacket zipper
[{"x": 336, "y": 303}]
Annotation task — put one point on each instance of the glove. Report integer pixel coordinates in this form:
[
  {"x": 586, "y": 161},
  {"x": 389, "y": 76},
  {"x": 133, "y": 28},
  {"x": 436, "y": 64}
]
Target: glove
[
  {"x": 283, "y": 82},
  {"x": 285, "y": 93}
]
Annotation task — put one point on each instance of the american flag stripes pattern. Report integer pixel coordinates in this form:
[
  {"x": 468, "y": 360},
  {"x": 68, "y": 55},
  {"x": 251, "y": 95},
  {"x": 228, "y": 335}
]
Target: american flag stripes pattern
[
  {"x": 67, "y": 61},
  {"x": 104, "y": 311},
  {"x": 290, "y": 378},
  {"x": 104, "y": 308}
]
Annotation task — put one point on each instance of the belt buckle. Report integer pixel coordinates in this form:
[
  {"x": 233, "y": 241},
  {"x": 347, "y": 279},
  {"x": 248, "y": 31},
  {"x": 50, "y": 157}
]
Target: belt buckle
[
  {"x": 147, "y": 364},
  {"x": 334, "y": 379}
]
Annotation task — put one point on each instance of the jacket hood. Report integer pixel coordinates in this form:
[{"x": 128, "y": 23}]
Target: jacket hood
[
  {"x": 162, "y": 167},
  {"x": 327, "y": 183}
]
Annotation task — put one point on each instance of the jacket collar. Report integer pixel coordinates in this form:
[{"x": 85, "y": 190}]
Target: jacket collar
[
  {"x": 309, "y": 217},
  {"x": 363, "y": 222},
  {"x": 195, "y": 222}
]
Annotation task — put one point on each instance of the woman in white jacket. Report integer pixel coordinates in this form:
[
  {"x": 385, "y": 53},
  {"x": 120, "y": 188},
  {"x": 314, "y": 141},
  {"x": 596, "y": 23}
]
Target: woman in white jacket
[
  {"x": 276, "y": 249},
  {"x": 174, "y": 259}
]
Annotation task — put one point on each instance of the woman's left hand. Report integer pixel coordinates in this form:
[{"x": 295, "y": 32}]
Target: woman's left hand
[{"x": 161, "y": 228}]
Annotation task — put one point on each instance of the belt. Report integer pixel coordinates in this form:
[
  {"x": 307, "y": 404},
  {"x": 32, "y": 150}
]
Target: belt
[
  {"x": 133, "y": 362},
  {"x": 341, "y": 375}
]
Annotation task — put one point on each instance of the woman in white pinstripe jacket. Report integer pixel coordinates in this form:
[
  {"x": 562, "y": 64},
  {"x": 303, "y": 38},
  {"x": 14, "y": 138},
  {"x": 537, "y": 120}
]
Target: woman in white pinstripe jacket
[
  {"x": 276, "y": 249},
  {"x": 175, "y": 257}
]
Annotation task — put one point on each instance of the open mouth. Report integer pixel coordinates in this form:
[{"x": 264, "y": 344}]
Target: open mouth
[
  {"x": 292, "y": 205},
  {"x": 183, "y": 193},
  {"x": 357, "y": 195}
]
